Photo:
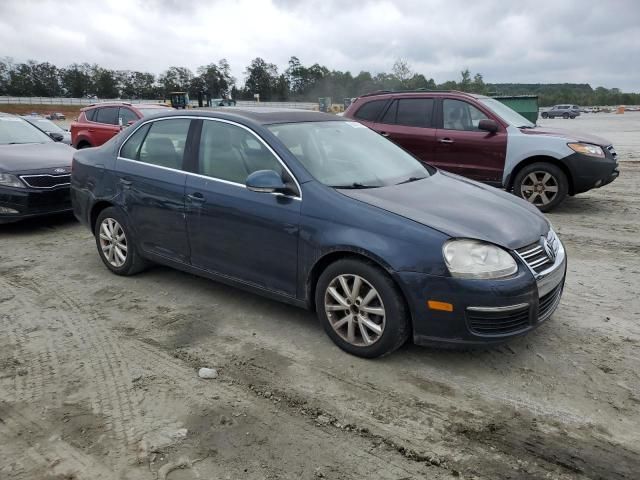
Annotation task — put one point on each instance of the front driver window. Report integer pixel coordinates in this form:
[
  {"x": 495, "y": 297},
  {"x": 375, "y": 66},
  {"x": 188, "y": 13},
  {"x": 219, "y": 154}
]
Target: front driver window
[
  {"x": 459, "y": 115},
  {"x": 231, "y": 153}
]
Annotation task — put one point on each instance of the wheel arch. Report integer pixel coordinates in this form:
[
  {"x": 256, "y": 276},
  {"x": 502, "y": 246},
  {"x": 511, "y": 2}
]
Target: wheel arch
[
  {"x": 95, "y": 211},
  {"x": 541, "y": 159}
]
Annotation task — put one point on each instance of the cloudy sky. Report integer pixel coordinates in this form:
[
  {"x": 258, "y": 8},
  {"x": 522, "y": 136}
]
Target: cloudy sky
[{"x": 590, "y": 41}]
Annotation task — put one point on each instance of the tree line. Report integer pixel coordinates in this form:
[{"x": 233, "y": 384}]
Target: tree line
[{"x": 298, "y": 82}]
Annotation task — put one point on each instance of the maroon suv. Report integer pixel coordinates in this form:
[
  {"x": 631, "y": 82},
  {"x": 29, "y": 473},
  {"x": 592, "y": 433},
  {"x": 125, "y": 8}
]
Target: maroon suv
[
  {"x": 97, "y": 123},
  {"x": 482, "y": 139}
]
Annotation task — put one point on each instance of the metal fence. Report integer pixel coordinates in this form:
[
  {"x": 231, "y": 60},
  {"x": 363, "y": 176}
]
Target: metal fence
[{"x": 89, "y": 101}]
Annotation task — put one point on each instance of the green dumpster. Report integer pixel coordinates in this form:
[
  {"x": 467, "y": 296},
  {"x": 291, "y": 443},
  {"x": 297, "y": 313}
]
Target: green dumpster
[{"x": 525, "y": 105}]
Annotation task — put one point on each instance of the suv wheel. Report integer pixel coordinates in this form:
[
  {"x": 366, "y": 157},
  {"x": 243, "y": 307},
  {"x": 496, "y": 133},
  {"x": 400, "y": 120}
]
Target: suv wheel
[
  {"x": 114, "y": 240},
  {"x": 545, "y": 115},
  {"x": 542, "y": 184},
  {"x": 361, "y": 309},
  {"x": 565, "y": 115}
]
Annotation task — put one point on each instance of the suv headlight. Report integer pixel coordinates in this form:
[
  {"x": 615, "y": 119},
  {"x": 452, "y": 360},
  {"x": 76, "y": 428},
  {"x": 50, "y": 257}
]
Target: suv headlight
[
  {"x": 476, "y": 259},
  {"x": 587, "y": 149},
  {"x": 9, "y": 180}
]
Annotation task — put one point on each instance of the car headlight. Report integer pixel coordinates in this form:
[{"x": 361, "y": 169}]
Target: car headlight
[
  {"x": 587, "y": 149},
  {"x": 476, "y": 259},
  {"x": 9, "y": 180}
]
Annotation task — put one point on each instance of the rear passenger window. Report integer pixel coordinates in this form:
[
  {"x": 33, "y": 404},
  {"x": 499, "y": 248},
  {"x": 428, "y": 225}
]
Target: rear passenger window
[
  {"x": 131, "y": 148},
  {"x": 412, "y": 112},
  {"x": 165, "y": 142},
  {"x": 107, "y": 115},
  {"x": 370, "y": 111},
  {"x": 231, "y": 153}
]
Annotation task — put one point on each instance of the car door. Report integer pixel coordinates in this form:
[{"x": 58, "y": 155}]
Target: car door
[
  {"x": 409, "y": 122},
  {"x": 464, "y": 149},
  {"x": 107, "y": 118},
  {"x": 152, "y": 183},
  {"x": 249, "y": 236}
]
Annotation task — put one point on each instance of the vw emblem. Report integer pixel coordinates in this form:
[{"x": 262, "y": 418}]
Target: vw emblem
[
  {"x": 549, "y": 250},
  {"x": 60, "y": 170}
]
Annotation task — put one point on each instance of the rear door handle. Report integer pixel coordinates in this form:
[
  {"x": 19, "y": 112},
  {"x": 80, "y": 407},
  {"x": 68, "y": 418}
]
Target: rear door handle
[
  {"x": 196, "y": 197},
  {"x": 445, "y": 140}
]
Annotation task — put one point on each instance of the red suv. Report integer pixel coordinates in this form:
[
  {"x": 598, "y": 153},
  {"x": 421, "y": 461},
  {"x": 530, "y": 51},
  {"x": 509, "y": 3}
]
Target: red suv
[
  {"x": 483, "y": 139},
  {"x": 99, "y": 122}
]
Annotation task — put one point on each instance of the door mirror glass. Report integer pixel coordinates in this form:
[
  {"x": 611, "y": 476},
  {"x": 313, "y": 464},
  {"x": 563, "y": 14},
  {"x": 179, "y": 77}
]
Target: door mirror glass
[
  {"x": 488, "y": 125},
  {"x": 265, "y": 181}
]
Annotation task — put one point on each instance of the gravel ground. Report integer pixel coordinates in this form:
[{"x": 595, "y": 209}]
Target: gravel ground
[{"x": 99, "y": 373}]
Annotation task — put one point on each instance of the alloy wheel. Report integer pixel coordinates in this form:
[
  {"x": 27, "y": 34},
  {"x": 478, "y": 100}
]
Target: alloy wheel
[
  {"x": 539, "y": 188},
  {"x": 355, "y": 310},
  {"x": 113, "y": 242}
]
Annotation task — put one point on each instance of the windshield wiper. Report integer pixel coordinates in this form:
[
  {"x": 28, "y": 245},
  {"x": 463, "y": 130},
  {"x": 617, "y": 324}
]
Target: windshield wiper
[
  {"x": 411, "y": 179},
  {"x": 355, "y": 186}
]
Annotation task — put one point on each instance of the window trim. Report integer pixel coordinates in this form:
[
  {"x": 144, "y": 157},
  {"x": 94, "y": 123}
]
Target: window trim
[{"x": 196, "y": 150}]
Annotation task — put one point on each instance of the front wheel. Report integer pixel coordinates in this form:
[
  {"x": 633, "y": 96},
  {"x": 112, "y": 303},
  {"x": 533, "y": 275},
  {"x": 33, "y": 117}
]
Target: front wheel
[
  {"x": 542, "y": 184},
  {"x": 361, "y": 308},
  {"x": 114, "y": 240},
  {"x": 565, "y": 115},
  {"x": 545, "y": 115}
]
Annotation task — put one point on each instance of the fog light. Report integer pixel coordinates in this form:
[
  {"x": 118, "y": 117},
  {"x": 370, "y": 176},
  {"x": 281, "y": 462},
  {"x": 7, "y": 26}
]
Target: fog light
[
  {"x": 444, "y": 306},
  {"x": 8, "y": 210}
]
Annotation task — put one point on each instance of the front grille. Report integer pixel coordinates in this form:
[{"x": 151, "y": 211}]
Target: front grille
[
  {"x": 46, "y": 181},
  {"x": 548, "y": 303},
  {"x": 498, "y": 322},
  {"x": 535, "y": 256}
]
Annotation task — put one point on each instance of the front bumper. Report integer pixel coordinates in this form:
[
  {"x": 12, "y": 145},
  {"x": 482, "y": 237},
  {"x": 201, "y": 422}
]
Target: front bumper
[
  {"x": 21, "y": 203},
  {"x": 592, "y": 172},
  {"x": 484, "y": 312}
]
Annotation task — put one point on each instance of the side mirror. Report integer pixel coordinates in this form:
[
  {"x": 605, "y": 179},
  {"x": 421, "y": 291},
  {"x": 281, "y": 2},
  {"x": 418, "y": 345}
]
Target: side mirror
[
  {"x": 57, "y": 137},
  {"x": 265, "y": 181},
  {"x": 488, "y": 125},
  {"x": 130, "y": 122}
]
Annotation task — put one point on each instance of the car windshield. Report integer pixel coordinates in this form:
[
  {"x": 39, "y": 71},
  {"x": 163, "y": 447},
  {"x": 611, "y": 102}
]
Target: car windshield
[
  {"x": 16, "y": 130},
  {"x": 151, "y": 111},
  {"x": 348, "y": 155},
  {"x": 506, "y": 113},
  {"x": 46, "y": 125}
]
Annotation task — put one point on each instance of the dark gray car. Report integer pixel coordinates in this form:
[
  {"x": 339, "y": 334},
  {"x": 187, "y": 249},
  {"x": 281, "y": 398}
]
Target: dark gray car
[
  {"x": 34, "y": 171},
  {"x": 50, "y": 128},
  {"x": 564, "y": 111}
]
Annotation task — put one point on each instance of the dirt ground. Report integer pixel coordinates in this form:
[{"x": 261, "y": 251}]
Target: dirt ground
[{"x": 98, "y": 373}]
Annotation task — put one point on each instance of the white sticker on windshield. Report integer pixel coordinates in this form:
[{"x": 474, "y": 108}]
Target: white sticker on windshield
[{"x": 356, "y": 125}]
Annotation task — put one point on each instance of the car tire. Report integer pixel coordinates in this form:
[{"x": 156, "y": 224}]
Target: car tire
[
  {"x": 83, "y": 145},
  {"x": 116, "y": 244},
  {"x": 543, "y": 184},
  {"x": 379, "y": 321},
  {"x": 565, "y": 115},
  {"x": 545, "y": 115}
]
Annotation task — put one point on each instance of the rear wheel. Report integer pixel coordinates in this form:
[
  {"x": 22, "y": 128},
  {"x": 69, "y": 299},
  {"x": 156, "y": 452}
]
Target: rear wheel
[
  {"x": 565, "y": 115},
  {"x": 361, "y": 309},
  {"x": 542, "y": 184},
  {"x": 545, "y": 115},
  {"x": 82, "y": 145},
  {"x": 115, "y": 243}
]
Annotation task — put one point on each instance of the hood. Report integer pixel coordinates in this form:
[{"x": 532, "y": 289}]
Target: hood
[
  {"x": 460, "y": 208},
  {"x": 35, "y": 156},
  {"x": 569, "y": 135}
]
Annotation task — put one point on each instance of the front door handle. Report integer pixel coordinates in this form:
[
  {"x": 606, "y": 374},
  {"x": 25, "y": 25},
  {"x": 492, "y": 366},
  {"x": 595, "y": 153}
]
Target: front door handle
[
  {"x": 384, "y": 134},
  {"x": 196, "y": 197},
  {"x": 445, "y": 140}
]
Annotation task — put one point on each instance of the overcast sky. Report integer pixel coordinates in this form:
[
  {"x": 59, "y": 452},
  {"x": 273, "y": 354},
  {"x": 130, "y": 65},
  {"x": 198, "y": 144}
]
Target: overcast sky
[{"x": 584, "y": 41}]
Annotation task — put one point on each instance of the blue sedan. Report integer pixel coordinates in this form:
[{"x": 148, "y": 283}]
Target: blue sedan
[{"x": 323, "y": 213}]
